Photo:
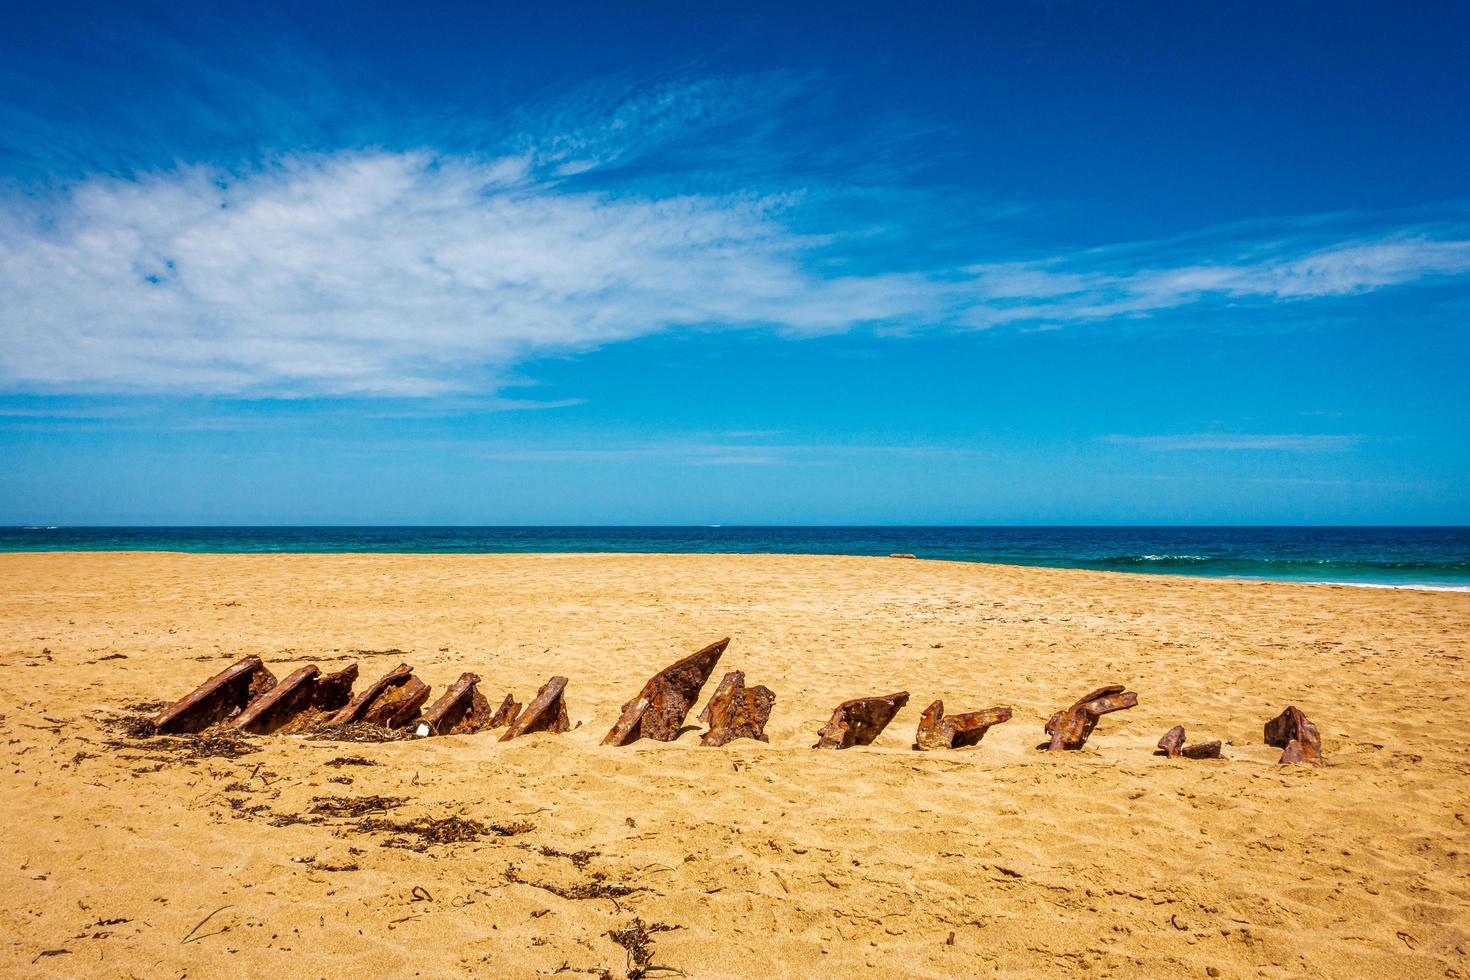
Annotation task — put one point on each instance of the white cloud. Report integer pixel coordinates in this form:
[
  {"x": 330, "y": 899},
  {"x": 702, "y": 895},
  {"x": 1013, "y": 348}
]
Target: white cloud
[
  {"x": 413, "y": 273},
  {"x": 1215, "y": 441}
]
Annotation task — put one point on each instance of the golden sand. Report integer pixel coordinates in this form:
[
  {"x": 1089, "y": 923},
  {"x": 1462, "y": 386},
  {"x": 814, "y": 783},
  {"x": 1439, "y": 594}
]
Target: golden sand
[{"x": 767, "y": 860}]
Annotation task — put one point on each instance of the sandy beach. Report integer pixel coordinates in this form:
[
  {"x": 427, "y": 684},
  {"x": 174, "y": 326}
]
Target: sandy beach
[{"x": 121, "y": 858}]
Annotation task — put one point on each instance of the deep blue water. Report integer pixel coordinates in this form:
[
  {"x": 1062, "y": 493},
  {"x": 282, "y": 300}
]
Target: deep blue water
[{"x": 1429, "y": 556}]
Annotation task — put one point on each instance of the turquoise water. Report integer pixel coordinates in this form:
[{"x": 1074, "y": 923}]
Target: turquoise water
[{"x": 1436, "y": 557}]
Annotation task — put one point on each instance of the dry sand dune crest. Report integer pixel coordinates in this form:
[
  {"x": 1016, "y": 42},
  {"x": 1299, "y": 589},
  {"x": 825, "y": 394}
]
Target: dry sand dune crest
[{"x": 460, "y": 854}]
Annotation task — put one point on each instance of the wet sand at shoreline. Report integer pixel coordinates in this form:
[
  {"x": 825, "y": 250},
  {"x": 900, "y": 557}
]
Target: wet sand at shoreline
[{"x": 761, "y": 858}]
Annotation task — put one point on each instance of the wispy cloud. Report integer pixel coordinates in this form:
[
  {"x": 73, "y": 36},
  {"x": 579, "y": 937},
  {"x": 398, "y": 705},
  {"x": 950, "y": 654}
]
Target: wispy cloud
[
  {"x": 418, "y": 273},
  {"x": 1217, "y": 441}
]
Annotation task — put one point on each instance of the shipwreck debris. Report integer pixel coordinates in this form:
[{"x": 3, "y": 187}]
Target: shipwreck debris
[
  {"x": 392, "y": 701},
  {"x": 461, "y": 710},
  {"x": 301, "y": 703},
  {"x": 736, "y": 711},
  {"x": 217, "y": 699},
  {"x": 859, "y": 721},
  {"x": 1172, "y": 745},
  {"x": 548, "y": 713},
  {"x": 658, "y": 711},
  {"x": 1296, "y": 736},
  {"x": 1070, "y": 729},
  {"x": 940, "y": 731},
  {"x": 506, "y": 713}
]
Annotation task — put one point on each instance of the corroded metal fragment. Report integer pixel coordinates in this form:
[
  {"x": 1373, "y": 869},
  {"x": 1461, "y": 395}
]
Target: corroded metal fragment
[
  {"x": 859, "y": 721},
  {"x": 1070, "y": 729},
  {"x": 391, "y": 701},
  {"x": 1202, "y": 750},
  {"x": 1296, "y": 735},
  {"x": 461, "y": 710},
  {"x": 506, "y": 713},
  {"x": 548, "y": 713},
  {"x": 938, "y": 730},
  {"x": 659, "y": 709},
  {"x": 1173, "y": 742},
  {"x": 1172, "y": 745},
  {"x": 736, "y": 711},
  {"x": 301, "y": 703},
  {"x": 217, "y": 699}
]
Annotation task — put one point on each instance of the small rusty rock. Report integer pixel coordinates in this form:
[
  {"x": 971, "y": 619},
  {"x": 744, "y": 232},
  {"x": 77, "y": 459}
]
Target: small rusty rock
[
  {"x": 461, "y": 710},
  {"x": 940, "y": 731},
  {"x": 859, "y": 721},
  {"x": 548, "y": 713},
  {"x": 659, "y": 710},
  {"x": 217, "y": 699},
  {"x": 1202, "y": 750},
  {"x": 392, "y": 701},
  {"x": 1070, "y": 729},
  {"x": 736, "y": 711},
  {"x": 1173, "y": 742},
  {"x": 1296, "y": 735},
  {"x": 506, "y": 713}
]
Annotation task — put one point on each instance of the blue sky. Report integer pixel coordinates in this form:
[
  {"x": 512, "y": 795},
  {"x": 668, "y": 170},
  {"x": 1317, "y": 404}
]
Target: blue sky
[{"x": 561, "y": 263}]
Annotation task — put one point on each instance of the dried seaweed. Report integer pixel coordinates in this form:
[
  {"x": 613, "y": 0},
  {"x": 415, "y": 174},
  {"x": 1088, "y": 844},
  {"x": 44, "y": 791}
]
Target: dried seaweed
[
  {"x": 354, "y": 806},
  {"x": 349, "y": 760},
  {"x": 637, "y": 939},
  {"x": 418, "y": 834},
  {"x": 364, "y": 733},
  {"x": 598, "y": 887}
]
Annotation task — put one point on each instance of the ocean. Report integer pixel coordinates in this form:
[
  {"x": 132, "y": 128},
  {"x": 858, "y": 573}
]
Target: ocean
[{"x": 1424, "y": 557}]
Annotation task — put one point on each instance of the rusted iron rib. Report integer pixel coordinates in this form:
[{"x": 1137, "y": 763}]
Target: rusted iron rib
[
  {"x": 506, "y": 713},
  {"x": 461, "y": 710},
  {"x": 859, "y": 721},
  {"x": 1071, "y": 728},
  {"x": 218, "y": 698},
  {"x": 1296, "y": 736},
  {"x": 278, "y": 705},
  {"x": 548, "y": 713},
  {"x": 736, "y": 711},
  {"x": 940, "y": 731},
  {"x": 391, "y": 701},
  {"x": 659, "y": 709}
]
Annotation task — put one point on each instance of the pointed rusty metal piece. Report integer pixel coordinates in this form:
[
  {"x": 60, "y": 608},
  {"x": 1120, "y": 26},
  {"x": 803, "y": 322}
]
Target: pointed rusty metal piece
[
  {"x": 461, "y": 710},
  {"x": 859, "y": 721},
  {"x": 506, "y": 713},
  {"x": 217, "y": 699},
  {"x": 1173, "y": 742},
  {"x": 1299, "y": 737},
  {"x": 736, "y": 711},
  {"x": 940, "y": 731},
  {"x": 299, "y": 704},
  {"x": 548, "y": 713},
  {"x": 1070, "y": 729},
  {"x": 391, "y": 701},
  {"x": 659, "y": 709}
]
